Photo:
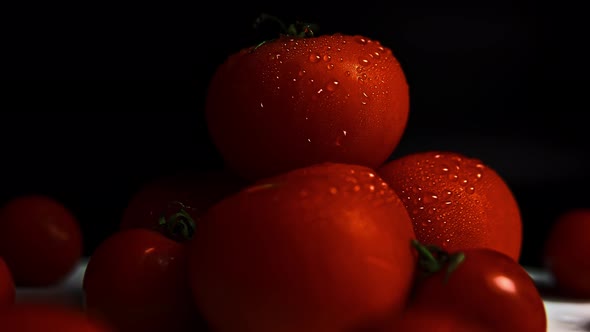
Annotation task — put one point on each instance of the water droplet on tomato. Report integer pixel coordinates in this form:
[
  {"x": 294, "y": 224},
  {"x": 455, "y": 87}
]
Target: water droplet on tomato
[
  {"x": 347, "y": 73},
  {"x": 327, "y": 57},
  {"x": 330, "y": 66},
  {"x": 430, "y": 198},
  {"x": 332, "y": 86},
  {"x": 314, "y": 57},
  {"x": 301, "y": 72},
  {"x": 361, "y": 40},
  {"x": 470, "y": 190},
  {"x": 363, "y": 61}
]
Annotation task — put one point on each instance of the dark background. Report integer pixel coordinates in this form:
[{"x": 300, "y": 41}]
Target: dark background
[{"x": 96, "y": 99}]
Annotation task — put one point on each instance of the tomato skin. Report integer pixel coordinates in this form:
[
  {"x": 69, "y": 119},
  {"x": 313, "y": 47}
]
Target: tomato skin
[
  {"x": 294, "y": 102},
  {"x": 456, "y": 202},
  {"x": 7, "y": 288},
  {"x": 566, "y": 252},
  {"x": 488, "y": 287},
  {"x": 137, "y": 281},
  {"x": 40, "y": 240},
  {"x": 418, "y": 320},
  {"x": 165, "y": 196},
  {"x": 321, "y": 248},
  {"x": 29, "y": 317}
]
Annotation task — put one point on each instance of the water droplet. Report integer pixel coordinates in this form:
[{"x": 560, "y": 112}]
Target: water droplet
[
  {"x": 376, "y": 54},
  {"x": 326, "y": 58},
  {"x": 301, "y": 73},
  {"x": 356, "y": 188},
  {"x": 347, "y": 73},
  {"x": 470, "y": 190},
  {"x": 314, "y": 57},
  {"x": 361, "y": 40},
  {"x": 430, "y": 198},
  {"x": 453, "y": 177},
  {"x": 464, "y": 182},
  {"x": 330, "y": 66},
  {"x": 364, "y": 61},
  {"x": 332, "y": 86}
]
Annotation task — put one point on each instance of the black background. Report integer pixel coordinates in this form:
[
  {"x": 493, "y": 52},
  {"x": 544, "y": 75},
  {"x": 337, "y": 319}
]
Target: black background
[{"x": 98, "y": 98}]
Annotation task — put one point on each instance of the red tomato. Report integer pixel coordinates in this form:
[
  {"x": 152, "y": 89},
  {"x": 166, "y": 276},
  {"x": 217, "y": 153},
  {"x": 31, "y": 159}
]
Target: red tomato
[
  {"x": 137, "y": 281},
  {"x": 567, "y": 251},
  {"x": 483, "y": 285},
  {"x": 418, "y": 320},
  {"x": 28, "y": 317},
  {"x": 296, "y": 101},
  {"x": 7, "y": 288},
  {"x": 456, "y": 202},
  {"x": 321, "y": 248},
  {"x": 40, "y": 240},
  {"x": 174, "y": 204}
]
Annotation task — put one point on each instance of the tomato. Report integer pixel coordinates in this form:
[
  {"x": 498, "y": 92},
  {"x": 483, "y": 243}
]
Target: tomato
[
  {"x": 566, "y": 252},
  {"x": 296, "y": 101},
  {"x": 456, "y": 202},
  {"x": 320, "y": 248},
  {"x": 40, "y": 240},
  {"x": 173, "y": 204},
  {"x": 7, "y": 288},
  {"x": 137, "y": 281},
  {"x": 433, "y": 320},
  {"x": 483, "y": 285},
  {"x": 29, "y": 317}
]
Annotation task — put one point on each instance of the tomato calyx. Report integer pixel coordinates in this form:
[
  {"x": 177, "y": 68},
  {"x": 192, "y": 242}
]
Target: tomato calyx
[
  {"x": 298, "y": 29},
  {"x": 179, "y": 226},
  {"x": 432, "y": 259}
]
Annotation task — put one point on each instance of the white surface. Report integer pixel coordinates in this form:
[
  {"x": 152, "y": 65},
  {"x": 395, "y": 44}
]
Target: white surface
[{"x": 563, "y": 316}]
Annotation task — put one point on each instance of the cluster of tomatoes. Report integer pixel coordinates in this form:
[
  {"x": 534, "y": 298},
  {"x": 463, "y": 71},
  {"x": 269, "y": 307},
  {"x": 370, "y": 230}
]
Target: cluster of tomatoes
[{"x": 311, "y": 227}]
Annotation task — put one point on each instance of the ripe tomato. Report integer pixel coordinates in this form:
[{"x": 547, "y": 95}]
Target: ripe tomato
[
  {"x": 419, "y": 320},
  {"x": 40, "y": 240},
  {"x": 483, "y": 285},
  {"x": 296, "y": 101},
  {"x": 7, "y": 288},
  {"x": 566, "y": 252},
  {"x": 137, "y": 281},
  {"x": 456, "y": 202},
  {"x": 173, "y": 204},
  {"x": 321, "y": 248},
  {"x": 29, "y": 317}
]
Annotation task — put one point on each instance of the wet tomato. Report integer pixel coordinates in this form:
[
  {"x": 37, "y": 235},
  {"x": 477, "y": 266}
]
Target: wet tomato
[
  {"x": 40, "y": 240},
  {"x": 456, "y": 202},
  {"x": 299, "y": 100},
  {"x": 321, "y": 248},
  {"x": 136, "y": 280}
]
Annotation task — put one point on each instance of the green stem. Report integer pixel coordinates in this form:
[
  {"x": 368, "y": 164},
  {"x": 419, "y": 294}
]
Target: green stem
[{"x": 179, "y": 226}]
